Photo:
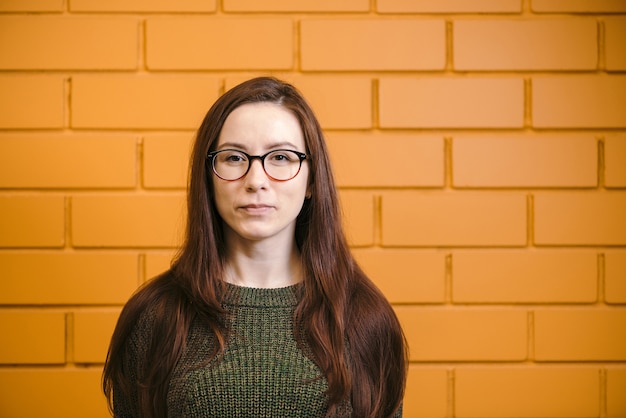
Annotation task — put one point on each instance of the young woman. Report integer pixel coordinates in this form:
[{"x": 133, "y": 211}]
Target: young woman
[{"x": 264, "y": 312}]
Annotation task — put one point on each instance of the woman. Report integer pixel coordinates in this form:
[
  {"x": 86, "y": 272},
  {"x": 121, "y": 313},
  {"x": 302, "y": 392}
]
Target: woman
[{"x": 264, "y": 312}]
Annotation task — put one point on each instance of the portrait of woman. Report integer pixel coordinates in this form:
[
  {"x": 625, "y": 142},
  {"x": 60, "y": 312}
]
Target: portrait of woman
[{"x": 264, "y": 312}]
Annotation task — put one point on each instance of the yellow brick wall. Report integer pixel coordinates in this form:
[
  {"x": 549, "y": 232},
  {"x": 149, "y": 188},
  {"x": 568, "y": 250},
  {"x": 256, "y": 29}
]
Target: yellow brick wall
[{"x": 479, "y": 146}]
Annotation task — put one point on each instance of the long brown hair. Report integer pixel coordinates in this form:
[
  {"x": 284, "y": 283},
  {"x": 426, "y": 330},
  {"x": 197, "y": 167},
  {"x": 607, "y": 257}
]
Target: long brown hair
[{"x": 350, "y": 330}]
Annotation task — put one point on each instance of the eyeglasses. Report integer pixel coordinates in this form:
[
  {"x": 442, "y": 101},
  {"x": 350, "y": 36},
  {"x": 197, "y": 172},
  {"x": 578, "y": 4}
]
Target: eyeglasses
[{"x": 279, "y": 165}]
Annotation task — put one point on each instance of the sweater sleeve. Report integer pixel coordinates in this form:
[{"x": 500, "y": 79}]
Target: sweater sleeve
[
  {"x": 121, "y": 405},
  {"x": 125, "y": 404}
]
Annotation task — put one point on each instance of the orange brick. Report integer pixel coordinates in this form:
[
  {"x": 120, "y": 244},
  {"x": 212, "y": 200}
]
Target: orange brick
[
  {"x": 52, "y": 393},
  {"x": 582, "y": 101},
  {"x": 31, "y": 5},
  {"x": 32, "y": 337},
  {"x": 615, "y": 160},
  {"x": 406, "y": 276},
  {"x": 60, "y": 43},
  {"x": 131, "y": 221},
  {"x": 448, "y": 6},
  {"x": 157, "y": 263},
  {"x": 464, "y": 334},
  {"x": 166, "y": 160},
  {"x": 31, "y": 101},
  {"x": 32, "y": 221},
  {"x": 578, "y": 6},
  {"x": 437, "y": 102},
  {"x": 525, "y": 161},
  {"x": 580, "y": 218},
  {"x": 153, "y": 101},
  {"x": 358, "y": 160},
  {"x": 358, "y": 217},
  {"x": 525, "y": 45},
  {"x": 356, "y": 45},
  {"x": 615, "y": 276},
  {"x": 296, "y": 6},
  {"x": 197, "y": 43},
  {"x": 92, "y": 334},
  {"x": 580, "y": 334},
  {"x": 524, "y": 277},
  {"x": 56, "y": 161},
  {"x": 453, "y": 219},
  {"x": 615, "y": 388},
  {"x": 531, "y": 392},
  {"x": 426, "y": 393},
  {"x": 38, "y": 278},
  {"x": 167, "y": 6},
  {"x": 615, "y": 39}
]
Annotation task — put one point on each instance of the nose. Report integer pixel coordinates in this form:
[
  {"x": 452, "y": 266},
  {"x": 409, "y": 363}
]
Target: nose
[{"x": 256, "y": 177}]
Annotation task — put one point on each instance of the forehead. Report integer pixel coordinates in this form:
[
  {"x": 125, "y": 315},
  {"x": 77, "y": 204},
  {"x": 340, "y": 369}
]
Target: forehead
[{"x": 262, "y": 125}]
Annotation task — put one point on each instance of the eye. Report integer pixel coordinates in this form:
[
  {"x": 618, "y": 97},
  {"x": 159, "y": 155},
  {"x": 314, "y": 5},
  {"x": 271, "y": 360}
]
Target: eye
[
  {"x": 282, "y": 157},
  {"x": 232, "y": 157}
]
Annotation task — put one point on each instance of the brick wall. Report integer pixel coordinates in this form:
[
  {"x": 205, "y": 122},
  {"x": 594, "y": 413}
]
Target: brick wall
[{"x": 494, "y": 220}]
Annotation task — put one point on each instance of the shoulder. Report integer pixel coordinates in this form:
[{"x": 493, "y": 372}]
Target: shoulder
[
  {"x": 162, "y": 290},
  {"x": 151, "y": 304}
]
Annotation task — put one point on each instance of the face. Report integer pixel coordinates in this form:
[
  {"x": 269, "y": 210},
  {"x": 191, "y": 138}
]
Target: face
[{"x": 256, "y": 207}]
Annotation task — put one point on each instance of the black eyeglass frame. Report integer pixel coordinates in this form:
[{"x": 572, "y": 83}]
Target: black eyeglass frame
[{"x": 211, "y": 157}]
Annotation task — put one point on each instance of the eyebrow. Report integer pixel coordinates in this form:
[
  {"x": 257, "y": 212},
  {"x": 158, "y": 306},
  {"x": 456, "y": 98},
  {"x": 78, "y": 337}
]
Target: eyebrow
[{"x": 242, "y": 146}]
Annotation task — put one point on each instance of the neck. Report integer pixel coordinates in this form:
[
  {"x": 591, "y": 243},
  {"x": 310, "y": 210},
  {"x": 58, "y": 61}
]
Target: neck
[{"x": 263, "y": 264}]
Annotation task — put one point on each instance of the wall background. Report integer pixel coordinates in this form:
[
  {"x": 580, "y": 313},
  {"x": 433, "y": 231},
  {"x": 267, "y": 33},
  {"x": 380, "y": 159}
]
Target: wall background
[{"x": 480, "y": 148}]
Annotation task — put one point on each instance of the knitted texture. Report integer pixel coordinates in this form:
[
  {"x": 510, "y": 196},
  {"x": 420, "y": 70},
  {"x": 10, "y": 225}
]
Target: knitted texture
[{"x": 261, "y": 373}]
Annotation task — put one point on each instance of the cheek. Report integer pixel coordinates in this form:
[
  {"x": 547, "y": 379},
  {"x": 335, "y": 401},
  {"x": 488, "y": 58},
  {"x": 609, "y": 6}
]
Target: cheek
[
  {"x": 302, "y": 188},
  {"x": 220, "y": 198}
]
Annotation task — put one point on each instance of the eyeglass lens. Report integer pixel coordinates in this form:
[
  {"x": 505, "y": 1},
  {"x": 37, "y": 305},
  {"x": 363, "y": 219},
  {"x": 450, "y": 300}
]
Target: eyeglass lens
[{"x": 279, "y": 164}]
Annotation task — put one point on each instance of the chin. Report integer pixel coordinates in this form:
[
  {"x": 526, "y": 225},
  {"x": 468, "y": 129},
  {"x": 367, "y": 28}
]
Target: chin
[{"x": 261, "y": 233}]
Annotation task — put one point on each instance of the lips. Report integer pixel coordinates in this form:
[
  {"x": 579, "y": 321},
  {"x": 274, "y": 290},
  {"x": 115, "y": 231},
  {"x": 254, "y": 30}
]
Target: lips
[{"x": 256, "y": 208}]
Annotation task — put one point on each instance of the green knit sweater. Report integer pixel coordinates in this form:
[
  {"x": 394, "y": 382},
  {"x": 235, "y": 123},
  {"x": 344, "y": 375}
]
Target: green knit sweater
[{"x": 262, "y": 372}]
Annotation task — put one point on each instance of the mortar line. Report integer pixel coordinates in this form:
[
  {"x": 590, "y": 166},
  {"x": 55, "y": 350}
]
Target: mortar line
[
  {"x": 297, "y": 55},
  {"x": 601, "y": 278},
  {"x": 448, "y": 280},
  {"x": 530, "y": 318},
  {"x": 448, "y": 173},
  {"x": 67, "y": 236},
  {"x": 139, "y": 176},
  {"x": 449, "y": 57},
  {"x": 604, "y": 412},
  {"x": 601, "y": 163},
  {"x": 67, "y": 103},
  {"x": 601, "y": 63},
  {"x": 378, "y": 220},
  {"x": 69, "y": 338},
  {"x": 530, "y": 220},
  {"x": 528, "y": 96},
  {"x": 375, "y": 104},
  {"x": 141, "y": 46},
  {"x": 141, "y": 269},
  {"x": 451, "y": 378}
]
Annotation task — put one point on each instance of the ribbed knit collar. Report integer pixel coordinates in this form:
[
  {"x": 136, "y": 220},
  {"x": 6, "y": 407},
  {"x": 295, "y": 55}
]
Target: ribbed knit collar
[{"x": 262, "y": 297}]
